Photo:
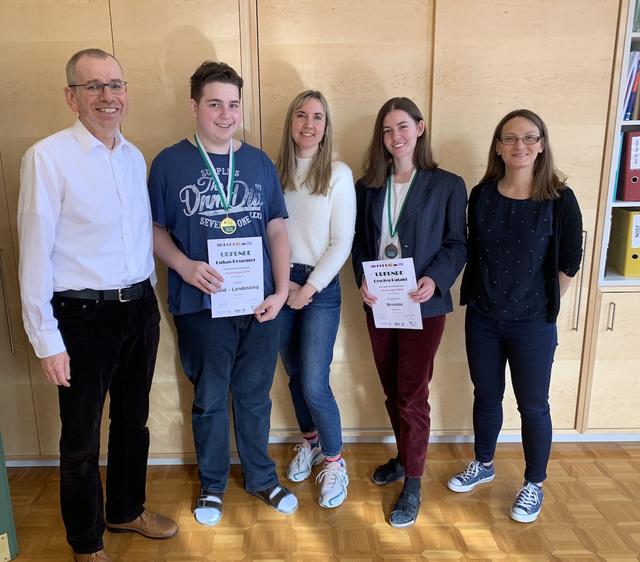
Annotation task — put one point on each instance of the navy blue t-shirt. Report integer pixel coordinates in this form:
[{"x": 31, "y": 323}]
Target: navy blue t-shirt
[{"x": 185, "y": 202}]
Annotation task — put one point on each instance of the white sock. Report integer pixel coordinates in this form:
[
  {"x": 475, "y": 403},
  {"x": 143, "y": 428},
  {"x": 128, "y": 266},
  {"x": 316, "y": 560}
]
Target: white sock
[
  {"x": 288, "y": 503},
  {"x": 207, "y": 515}
]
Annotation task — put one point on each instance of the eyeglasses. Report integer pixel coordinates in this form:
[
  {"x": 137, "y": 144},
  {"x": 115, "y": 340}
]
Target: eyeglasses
[
  {"x": 117, "y": 87},
  {"x": 527, "y": 139}
]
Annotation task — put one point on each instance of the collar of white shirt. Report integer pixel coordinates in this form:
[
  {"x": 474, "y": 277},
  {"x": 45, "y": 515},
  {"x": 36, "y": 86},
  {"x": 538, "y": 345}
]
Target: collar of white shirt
[{"x": 89, "y": 142}]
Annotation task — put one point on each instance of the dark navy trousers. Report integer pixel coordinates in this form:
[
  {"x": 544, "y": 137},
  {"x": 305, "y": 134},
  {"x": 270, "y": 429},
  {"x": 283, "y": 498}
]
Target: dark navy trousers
[{"x": 528, "y": 347}]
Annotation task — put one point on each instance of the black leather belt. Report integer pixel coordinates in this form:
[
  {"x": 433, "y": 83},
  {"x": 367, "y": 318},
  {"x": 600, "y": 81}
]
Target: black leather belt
[{"x": 125, "y": 294}]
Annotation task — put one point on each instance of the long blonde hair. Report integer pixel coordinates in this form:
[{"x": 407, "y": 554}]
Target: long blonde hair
[{"x": 319, "y": 174}]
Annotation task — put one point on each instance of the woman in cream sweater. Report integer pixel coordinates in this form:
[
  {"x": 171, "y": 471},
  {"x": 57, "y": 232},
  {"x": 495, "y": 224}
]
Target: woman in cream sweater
[{"x": 320, "y": 199}]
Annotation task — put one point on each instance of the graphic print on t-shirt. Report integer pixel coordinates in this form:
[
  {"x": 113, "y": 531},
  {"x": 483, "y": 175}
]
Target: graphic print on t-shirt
[{"x": 202, "y": 199}]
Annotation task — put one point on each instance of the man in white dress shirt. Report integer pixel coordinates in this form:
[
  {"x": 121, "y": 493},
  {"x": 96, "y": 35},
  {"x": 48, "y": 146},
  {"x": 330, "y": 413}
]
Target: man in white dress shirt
[{"x": 89, "y": 308}]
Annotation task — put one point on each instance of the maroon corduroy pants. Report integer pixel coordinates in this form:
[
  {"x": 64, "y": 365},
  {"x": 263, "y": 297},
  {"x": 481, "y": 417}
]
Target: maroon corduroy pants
[{"x": 404, "y": 359}]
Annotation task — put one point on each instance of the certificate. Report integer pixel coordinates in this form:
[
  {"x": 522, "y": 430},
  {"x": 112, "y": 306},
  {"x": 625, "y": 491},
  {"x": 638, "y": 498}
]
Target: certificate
[
  {"x": 239, "y": 261},
  {"x": 391, "y": 281}
]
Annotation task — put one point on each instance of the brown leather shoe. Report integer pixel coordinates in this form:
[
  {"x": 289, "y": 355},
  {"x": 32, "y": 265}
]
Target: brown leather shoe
[
  {"x": 148, "y": 524},
  {"x": 100, "y": 556}
]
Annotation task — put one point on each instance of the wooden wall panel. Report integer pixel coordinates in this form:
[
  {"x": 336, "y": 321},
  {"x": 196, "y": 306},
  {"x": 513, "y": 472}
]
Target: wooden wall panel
[
  {"x": 17, "y": 415},
  {"x": 160, "y": 55},
  {"x": 359, "y": 57},
  {"x": 353, "y": 52},
  {"x": 554, "y": 57},
  {"x": 36, "y": 40}
]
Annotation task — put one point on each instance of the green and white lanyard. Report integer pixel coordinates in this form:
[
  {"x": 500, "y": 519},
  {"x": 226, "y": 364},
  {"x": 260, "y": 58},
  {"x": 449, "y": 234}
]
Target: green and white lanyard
[
  {"x": 227, "y": 224},
  {"x": 391, "y": 250}
]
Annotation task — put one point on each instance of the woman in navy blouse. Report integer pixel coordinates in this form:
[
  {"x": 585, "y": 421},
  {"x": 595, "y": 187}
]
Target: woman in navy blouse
[
  {"x": 407, "y": 207},
  {"x": 524, "y": 246}
]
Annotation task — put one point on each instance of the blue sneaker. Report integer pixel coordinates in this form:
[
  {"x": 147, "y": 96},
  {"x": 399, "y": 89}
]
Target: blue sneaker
[
  {"x": 476, "y": 473},
  {"x": 528, "y": 503}
]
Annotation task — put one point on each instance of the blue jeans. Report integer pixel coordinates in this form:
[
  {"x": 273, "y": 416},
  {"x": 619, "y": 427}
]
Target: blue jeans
[
  {"x": 237, "y": 353},
  {"x": 307, "y": 337},
  {"x": 529, "y": 347}
]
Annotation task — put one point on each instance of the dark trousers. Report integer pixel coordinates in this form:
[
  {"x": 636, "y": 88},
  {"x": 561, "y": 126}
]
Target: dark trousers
[
  {"x": 528, "y": 346},
  {"x": 404, "y": 359},
  {"x": 112, "y": 347}
]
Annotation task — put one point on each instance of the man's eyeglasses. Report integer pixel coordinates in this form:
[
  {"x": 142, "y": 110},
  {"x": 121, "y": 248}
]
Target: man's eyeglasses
[
  {"x": 117, "y": 87},
  {"x": 527, "y": 139}
]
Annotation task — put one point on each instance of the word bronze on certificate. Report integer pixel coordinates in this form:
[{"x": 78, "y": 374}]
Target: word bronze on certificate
[
  {"x": 239, "y": 261},
  {"x": 391, "y": 281}
]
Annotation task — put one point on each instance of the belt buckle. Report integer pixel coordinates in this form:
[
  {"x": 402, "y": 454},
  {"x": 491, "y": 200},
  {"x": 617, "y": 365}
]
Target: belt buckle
[{"x": 120, "y": 297}]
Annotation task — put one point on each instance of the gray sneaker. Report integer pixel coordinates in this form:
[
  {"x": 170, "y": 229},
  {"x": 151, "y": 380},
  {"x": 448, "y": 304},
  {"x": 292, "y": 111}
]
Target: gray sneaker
[
  {"x": 333, "y": 480},
  {"x": 476, "y": 473},
  {"x": 305, "y": 458}
]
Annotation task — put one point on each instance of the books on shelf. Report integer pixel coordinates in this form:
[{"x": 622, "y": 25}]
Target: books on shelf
[
  {"x": 636, "y": 17},
  {"x": 631, "y": 91}
]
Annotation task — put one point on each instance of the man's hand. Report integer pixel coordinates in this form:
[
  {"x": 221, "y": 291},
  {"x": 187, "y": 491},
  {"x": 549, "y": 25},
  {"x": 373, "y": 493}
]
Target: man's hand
[
  {"x": 425, "y": 290},
  {"x": 201, "y": 275},
  {"x": 56, "y": 368},
  {"x": 268, "y": 309}
]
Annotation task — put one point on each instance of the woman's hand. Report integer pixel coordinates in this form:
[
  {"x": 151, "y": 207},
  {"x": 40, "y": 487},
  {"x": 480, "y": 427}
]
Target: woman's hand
[
  {"x": 425, "y": 290},
  {"x": 367, "y": 297},
  {"x": 299, "y": 297}
]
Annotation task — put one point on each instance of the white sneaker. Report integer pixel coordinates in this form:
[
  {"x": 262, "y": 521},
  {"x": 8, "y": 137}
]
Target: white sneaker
[
  {"x": 334, "y": 481},
  {"x": 306, "y": 457}
]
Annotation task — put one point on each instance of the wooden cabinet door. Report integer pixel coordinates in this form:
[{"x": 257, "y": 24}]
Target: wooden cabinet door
[
  {"x": 489, "y": 59},
  {"x": 36, "y": 40},
  {"x": 17, "y": 415},
  {"x": 615, "y": 390}
]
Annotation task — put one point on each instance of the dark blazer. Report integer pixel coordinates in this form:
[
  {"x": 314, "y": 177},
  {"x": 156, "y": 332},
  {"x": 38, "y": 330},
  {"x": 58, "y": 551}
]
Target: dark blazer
[{"x": 431, "y": 230}]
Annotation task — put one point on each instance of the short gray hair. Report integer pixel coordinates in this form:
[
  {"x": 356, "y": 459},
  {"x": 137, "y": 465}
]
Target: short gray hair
[{"x": 73, "y": 61}]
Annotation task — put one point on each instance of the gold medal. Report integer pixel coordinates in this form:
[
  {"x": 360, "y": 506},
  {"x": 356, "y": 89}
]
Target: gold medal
[{"x": 228, "y": 225}]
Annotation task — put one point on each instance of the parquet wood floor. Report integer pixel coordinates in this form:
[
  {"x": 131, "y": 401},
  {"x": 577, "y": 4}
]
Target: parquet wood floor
[{"x": 591, "y": 512}]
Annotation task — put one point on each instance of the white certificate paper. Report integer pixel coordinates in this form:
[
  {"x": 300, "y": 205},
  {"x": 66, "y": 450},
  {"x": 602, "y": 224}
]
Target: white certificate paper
[
  {"x": 239, "y": 261},
  {"x": 391, "y": 281}
]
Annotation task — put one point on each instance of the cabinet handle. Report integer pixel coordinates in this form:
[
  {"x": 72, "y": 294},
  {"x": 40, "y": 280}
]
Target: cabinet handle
[
  {"x": 577, "y": 315},
  {"x": 611, "y": 316},
  {"x": 6, "y": 305}
]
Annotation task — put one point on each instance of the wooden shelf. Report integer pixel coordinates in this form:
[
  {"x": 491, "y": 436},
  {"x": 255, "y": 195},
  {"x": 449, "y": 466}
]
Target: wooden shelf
[
  {"x": 614, "y": 279},
  {"x": 630, "y": 204}
]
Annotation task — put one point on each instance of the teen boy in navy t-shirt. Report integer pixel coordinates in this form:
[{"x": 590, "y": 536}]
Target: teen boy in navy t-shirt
[{"x": 192, "y": 201}]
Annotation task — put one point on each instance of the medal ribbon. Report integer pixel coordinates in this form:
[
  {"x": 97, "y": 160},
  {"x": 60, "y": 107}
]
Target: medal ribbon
[
  {"x": 393, "y": 229},
  {"x": 225, "y": 199}
]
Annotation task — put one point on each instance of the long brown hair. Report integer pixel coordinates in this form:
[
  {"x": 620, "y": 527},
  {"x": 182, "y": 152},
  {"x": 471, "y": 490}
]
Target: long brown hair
[
  {"x": 546, "y": 180},
  {"x": 319, "y": 174},
  {"x": 378, "y": 162}
]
